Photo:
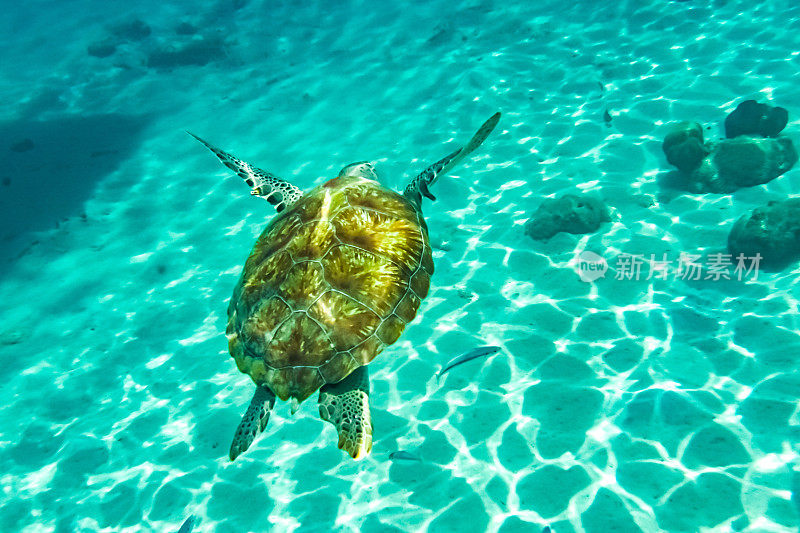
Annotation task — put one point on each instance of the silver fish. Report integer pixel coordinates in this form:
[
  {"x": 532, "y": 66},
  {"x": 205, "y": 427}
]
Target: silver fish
[
  {"x": 187, "y": 525},
  {"x": 483, "y": 351},
  {"x": 402, "y": 455}
]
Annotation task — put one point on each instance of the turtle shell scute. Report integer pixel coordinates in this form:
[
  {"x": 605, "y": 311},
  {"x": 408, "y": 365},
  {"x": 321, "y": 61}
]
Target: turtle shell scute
[{"x": 331, "y": 282}]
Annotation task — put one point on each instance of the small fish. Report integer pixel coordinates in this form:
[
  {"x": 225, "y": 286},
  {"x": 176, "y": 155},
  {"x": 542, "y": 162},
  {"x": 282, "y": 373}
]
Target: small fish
[
  {"x": 483, "y": 351},
  {"x": 546, "y": 529},
  {"x": 607, "y": 118},
  {"x": 187, "y": 525},
  {"x": 402, "y": 455}
]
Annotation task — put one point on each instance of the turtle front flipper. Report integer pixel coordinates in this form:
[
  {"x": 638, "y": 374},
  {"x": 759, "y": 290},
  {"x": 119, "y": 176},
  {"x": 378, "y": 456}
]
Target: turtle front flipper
[
  {"x": 346, "y": 406},
  {"x": 276, "y": 191},
  {"x": 420, "y": 186},
  {"x": 253, "y": 422}
]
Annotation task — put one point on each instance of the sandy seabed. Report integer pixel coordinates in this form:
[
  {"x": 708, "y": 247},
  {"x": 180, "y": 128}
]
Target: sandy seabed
[{"x": 619, "y": 405}]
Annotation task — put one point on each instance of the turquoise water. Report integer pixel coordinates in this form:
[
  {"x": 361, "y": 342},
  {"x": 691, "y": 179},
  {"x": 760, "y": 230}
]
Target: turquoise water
[{"x": 616, "y": 405}]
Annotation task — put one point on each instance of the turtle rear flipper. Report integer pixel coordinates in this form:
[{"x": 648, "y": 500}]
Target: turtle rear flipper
[
  {"x": 346, "y": 406},
  {"x": 253, "y": 422},
  {"x": 276, "y": 191},
  {"x": 420, "y": 186}
]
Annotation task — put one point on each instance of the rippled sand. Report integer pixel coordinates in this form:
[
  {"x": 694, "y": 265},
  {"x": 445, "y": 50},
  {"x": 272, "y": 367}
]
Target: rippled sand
[{"x": 619, "y": 405}]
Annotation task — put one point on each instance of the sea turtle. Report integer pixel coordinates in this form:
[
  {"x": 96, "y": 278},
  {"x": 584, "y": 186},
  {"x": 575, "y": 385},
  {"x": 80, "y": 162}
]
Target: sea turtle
[{"x": 332, "y": 280}]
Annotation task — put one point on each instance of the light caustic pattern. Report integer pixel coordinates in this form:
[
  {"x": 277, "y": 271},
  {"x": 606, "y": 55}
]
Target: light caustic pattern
[{"x": 623, "y": 404}]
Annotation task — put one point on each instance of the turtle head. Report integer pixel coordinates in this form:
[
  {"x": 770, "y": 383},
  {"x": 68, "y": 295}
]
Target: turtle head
[{"x": 360, "y": 169}]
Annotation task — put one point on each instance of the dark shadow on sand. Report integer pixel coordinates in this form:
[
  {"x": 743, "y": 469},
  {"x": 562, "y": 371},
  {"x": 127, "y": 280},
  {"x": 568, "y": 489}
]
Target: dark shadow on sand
[
  {"x": 51, "y": 167},
  {"x": 672, "y": 184}
]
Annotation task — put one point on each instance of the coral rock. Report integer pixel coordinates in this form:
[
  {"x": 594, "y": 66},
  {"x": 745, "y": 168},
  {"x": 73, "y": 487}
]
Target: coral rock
[
  {"x": 752, "y": 118},
  {"x": 570, "y": 213},
  {"x": 772, "y": 230},
  {"x": 684, "y": 146},
  {"x": 742, "y": 162}
]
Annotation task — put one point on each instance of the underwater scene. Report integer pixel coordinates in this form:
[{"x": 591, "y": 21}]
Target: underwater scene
[{"x": 521, "y": 267}]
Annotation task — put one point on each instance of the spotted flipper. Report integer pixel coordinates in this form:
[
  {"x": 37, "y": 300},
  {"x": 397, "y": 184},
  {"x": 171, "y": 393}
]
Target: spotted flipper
[
  {"x": 346, "y": 406},
  {"x": 253, "y": 422},
  {"x": 420, "y": 186},
  {"x": 276, "y": 191}
]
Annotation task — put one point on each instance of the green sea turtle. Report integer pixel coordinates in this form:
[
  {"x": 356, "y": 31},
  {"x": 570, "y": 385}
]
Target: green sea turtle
[{"x": 332, "y": 280}]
